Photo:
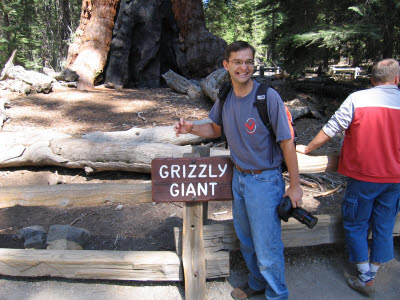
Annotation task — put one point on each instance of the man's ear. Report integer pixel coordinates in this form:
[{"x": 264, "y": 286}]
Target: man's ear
[
  {"x": 225, "y": 63},
  {"x": 396, "y": 80}
]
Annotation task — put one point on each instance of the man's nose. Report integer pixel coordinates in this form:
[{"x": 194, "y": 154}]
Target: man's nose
[{"x": 243, "y": 65}]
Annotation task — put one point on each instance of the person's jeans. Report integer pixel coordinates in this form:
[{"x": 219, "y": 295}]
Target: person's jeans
[
  {"x": 370, "y": 204},
  {"x": 258, "y": 228}
]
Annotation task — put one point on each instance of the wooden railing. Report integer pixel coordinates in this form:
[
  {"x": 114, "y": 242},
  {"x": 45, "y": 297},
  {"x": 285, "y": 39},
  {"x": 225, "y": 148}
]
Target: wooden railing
[{"x": 210, "y": 244}]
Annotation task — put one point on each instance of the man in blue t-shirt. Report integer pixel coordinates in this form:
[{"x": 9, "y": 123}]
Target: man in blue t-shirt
[{"x": 257, "y": 182}]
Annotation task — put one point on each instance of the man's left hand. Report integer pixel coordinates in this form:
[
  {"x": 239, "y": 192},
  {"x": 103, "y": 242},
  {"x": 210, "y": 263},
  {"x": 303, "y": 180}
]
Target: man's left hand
[{"x": 295, "y": 193}]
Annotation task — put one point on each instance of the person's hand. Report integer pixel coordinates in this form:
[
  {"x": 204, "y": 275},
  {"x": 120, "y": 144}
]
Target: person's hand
[
  {"x": 295, "y": 193},
  {"x": 301, "y": 149},
  {"x": 183, "y": 127}
]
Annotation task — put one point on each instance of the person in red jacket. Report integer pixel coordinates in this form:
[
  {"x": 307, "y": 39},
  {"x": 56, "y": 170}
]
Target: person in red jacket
[{"x": 370, "y": 158}]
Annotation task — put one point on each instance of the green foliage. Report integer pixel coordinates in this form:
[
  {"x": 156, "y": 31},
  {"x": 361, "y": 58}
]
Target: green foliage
[
  {"x": 236, "y": 20},
  {"x": 37, "y": 29},
  {"x": 300, "y": 33},
  {"x": 333, "y": 37},
  {"x": 359, "y": 30},
  {"x": 291, "y": 33}
]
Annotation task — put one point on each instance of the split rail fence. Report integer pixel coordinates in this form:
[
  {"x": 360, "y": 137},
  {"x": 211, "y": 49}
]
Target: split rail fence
[{"x": 202, "y": 251}]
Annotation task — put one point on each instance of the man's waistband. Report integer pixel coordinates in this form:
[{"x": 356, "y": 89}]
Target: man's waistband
[{"x": 251, "y": 171}]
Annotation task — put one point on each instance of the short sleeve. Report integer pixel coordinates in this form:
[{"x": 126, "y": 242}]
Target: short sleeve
[
  {"x": 215, "y": 113},
  {"x": 277, "y": 116}
]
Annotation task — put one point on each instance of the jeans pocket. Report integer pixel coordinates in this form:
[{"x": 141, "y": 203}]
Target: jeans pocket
[
  {"x": 349, "y": 210},
  {"x": 268, "y": 176}
]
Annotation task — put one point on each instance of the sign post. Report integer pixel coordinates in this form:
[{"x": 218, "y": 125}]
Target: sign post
[
  {"x": 201, "y": 151},
  {"x": 193, "y": 180}
]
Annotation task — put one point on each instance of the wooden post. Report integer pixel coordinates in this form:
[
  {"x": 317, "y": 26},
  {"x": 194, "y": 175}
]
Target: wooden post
[
  {"x": 193, "y": 259},
  {"x": 204, "y": 152}
]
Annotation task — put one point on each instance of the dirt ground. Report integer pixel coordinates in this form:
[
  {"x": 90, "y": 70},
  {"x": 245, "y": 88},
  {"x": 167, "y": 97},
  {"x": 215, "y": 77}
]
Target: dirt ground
[
  {"x": 134, "y": 227},
  {"x": 144, "y": 226}
]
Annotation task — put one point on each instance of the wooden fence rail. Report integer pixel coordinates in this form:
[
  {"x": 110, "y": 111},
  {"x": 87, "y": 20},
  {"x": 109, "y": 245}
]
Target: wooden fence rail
[
  {"x": 159, "y": 265},
  {"x": 202, "y": 251}
]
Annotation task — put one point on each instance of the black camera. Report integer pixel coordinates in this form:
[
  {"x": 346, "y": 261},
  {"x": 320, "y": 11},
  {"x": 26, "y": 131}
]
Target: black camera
[{"x": 286, "y": 210}]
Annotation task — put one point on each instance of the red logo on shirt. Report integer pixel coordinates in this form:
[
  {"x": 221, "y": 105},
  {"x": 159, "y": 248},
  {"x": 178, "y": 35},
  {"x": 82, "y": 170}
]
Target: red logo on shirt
[{"x": 250, "y": 125}]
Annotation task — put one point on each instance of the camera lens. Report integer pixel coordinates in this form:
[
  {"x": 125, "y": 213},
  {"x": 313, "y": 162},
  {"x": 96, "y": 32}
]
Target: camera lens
[{"x": 304, "y": 217}]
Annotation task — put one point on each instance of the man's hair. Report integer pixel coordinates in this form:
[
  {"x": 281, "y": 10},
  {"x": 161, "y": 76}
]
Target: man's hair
[
  {"x": 385, "y": 71},
  {"x": 237, "y": 46}
]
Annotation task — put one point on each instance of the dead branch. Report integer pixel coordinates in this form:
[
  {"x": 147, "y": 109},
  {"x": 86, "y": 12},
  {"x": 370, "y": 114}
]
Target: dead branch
[{"x": 330, "y": 192}]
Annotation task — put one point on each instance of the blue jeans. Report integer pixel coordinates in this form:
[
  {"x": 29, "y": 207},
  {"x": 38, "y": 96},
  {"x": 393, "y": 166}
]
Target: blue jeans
[
  {"x": 258, "y": 228},
  {"x": 368, "y": 204}
]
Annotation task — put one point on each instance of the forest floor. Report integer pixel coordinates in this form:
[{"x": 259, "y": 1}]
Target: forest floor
[
  {"x": 141, "y": 226},
  {"x": 135, "y": 227}
]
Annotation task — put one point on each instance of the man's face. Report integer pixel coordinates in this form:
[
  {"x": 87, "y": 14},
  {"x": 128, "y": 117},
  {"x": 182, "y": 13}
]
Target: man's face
[{"x": 240, "y": 66}]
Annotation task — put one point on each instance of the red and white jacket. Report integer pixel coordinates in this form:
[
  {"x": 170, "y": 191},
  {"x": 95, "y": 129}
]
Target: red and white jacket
[{"x": 371, "y": 146}]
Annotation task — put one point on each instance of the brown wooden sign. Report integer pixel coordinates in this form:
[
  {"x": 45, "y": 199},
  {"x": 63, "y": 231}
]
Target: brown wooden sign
[{"x": 191, "y": 179}]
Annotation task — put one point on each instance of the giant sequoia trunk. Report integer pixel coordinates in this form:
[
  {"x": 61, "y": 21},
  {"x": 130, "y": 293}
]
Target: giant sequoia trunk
[
  {"x": 148, "y": 39},
  {"x": 204, "y": 52},
  {"x": 145, "y": 44},
  {"x": 152, "y": 37},
  {"x": 88, "y": 54}
]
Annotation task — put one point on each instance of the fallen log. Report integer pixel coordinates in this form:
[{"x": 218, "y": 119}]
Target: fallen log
[
  {"x": 8, "y": 66},
  {"x": 182, "y": 85},
  {"x": 50, "y": 148},
  {"x": 298, "y": 112},
  {"x": 211, "y": 84},
  {"x": 160, "y": 134},
  {"x": 3, "y": 115},
  {"x": 99, "y": 264},
  {"x": 318, "y": 164},
  {"x": 17, "y": 86},
  {"x": 41, "y": 83},
  {"x": 92, "y": 156}
]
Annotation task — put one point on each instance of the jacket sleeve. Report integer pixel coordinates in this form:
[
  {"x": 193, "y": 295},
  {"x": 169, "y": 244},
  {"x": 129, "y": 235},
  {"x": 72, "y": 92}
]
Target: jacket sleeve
[{"x": 342, "y": 118}]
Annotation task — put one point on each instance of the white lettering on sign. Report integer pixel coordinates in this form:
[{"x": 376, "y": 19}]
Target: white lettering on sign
[
  {"x": 222, "y": 170},
  {"x": 193, "y": 167},
  {"x": 177, "y": 171},
  {"x": 203, "y": 168},
  {"x": 193, "y": 171},
  {"x": 189, "y": 189}
]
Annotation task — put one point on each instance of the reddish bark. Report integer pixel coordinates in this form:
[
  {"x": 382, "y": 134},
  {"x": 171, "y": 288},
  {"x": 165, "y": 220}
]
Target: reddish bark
[
  {"x": 88, "y": 54},
  {"x": 204, "y": 51},
  {"x": 189, "y": 15}
]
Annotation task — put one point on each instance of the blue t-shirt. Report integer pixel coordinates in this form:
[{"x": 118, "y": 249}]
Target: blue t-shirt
[{"x": 251, "y": 144}]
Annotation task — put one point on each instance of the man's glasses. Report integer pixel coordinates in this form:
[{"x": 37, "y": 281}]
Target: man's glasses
[{"x": 238, "y": 62}]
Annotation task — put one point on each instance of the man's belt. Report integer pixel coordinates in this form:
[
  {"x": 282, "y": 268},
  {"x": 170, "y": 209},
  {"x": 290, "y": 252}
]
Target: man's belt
[{"x": 249, "y": 171}]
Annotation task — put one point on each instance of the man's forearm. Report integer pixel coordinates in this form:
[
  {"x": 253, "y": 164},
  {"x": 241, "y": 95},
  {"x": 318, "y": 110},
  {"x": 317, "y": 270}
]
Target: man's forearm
[
  {"x": 294, "y": 192},
  {"x": 320, "y": 139},
  {"x": 208, "y": 130},
  {"x": 289, "y": 153}
]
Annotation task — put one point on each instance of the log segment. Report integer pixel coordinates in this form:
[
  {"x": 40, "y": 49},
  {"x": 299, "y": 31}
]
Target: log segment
[
  {"x": 3, "y": 115},
  {"x": 75, "y": 194},
  {"x": 182, "y": 85},
  {"x": 112, "y": 151},
  {"x": 97, "y": 264}
]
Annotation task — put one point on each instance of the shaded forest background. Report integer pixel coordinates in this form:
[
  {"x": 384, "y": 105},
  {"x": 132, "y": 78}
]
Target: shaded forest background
[{"x": 290, "y": 33}]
